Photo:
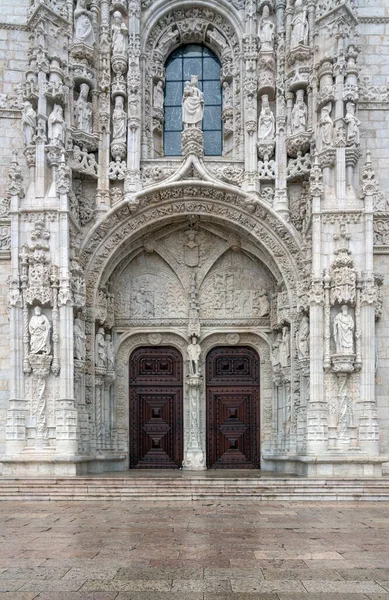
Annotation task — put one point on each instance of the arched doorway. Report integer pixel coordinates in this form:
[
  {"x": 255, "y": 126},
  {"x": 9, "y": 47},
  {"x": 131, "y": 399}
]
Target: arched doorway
[
  {"x": 156, "y": 411},
  {"x": 233, "y": 408}
]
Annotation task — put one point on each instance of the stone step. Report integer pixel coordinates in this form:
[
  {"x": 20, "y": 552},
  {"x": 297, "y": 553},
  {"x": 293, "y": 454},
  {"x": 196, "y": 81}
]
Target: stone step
[{"x": 194, "y": 488}]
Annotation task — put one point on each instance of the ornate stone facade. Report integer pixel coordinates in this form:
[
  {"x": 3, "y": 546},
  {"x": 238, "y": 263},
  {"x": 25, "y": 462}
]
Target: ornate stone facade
[{"x": 280, "y": 243}]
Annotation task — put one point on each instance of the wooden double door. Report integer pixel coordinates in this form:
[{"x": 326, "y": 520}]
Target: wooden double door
[
  {"x": 156, "y": 426},
  {"x": 232, "y": 408}
]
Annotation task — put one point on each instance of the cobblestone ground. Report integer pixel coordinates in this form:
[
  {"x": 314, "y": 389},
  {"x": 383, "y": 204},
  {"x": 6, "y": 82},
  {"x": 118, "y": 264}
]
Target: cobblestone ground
[{"x": 220, "y": 550}]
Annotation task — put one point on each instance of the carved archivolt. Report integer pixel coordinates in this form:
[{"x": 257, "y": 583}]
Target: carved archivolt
[
  {"x": 254, "y": 221},
  {"x": 194, "y": 25}
]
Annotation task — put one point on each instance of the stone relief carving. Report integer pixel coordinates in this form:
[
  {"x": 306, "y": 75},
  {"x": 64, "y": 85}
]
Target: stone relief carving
[
  {"x": 100, "y": 349},
  {"x": 79, "y": 339},
  {"x": 302, "y": 338}
]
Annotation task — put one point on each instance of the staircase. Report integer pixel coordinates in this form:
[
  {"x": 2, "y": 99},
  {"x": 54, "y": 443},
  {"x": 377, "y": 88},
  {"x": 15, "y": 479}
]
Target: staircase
[{"x": 147, "y": 487}]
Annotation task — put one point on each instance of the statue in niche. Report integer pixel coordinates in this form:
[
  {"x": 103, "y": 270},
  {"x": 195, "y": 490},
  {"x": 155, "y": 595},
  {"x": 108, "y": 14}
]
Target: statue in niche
[
  {"x": 194, "y": 351},
  {"x": 325, "y": 127},
  {"x": 227, "y": 95},
  {"x": 266, "y": 31},
  {"x": 192, "y": 103},
  {"x": 285, "y": 348},
  {"x": 79, "y": 339},
  {"x": 56, "y": 126},
  {"x": 158, "y": 95},
  {"x": 83, "y": 110},
  {"x": 275, "y": 353},
  {"x": 110, "y": 353},
  {"x": 266, "y": 122},
  {"x": 39, "y": 328},
  {"x": 83, "y": 28},
  {"x": 343, "y": 330},
  {"x": 119, "y": 33},
  {"x": 299, "y": 26},
  {"x": 28, "y": 122},
  {"x": 101, "y": 350},
  {"x": 352, "y": 125},
  {"x": 119, "y": 121},
  {"x": 299, "y": 113},
  {"x": 263, "y": 304},
  {"x": 302, "y": 338}
]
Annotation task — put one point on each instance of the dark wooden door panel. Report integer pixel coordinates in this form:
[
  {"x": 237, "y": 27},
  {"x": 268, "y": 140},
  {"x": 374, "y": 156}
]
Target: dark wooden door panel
[
  {"x": 233, "y": 408},
  {"x": 156, "y": 408}
]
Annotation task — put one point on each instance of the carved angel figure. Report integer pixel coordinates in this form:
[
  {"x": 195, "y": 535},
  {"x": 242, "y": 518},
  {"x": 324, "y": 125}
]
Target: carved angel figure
[
  {"x": 192, "y": 104},
  {"x": 83, "y": 29},
  {"x": 266, "y": 31},
  {"x": 119, "y": 121},
  {"x": 352, "y": 125},
  {"x": 28, "y": 122},
  {"x": 266, "y": 122},
  {"x": 343, "y": 330},
  {"x": 39, "y": 328},
  {"x": 119, "y": 33},
  {"x": 56, "y": 126},
  {"x": 300, "y": 27},
  {"x": 194, "y": 351}
]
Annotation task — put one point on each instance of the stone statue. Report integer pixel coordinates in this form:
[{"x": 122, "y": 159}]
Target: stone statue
[
  {"x": 227, "y": 95},
  {"x": 344, "y": 332},
  {"x": 194, "y": 351},
  {"x": 263, "y": 304},
  {"x": 56, "y": 126},
  {"x": 39, "y": 328},
  {"x": 119, "y": 121},
  {"x": 266, "y": 31},
  {"x": 302, "y": 338},
  {"x": 266, "y": 122},
  {"x": 352, "y": 125},
  {"x": 275, "y": 353},
  {"x": 119, "y": 33},
  {"x": 299, "y": 113},
  {"x": 299, "y": 26},
  {"x": 101, "y": 350},
  {"x": 285, "y": 348},
  {"x": 79, "y": 339},
  {"x": 28, "y": 122},
  {"x": 325, "y": 127},
  {"x": 110, "y": 353},
  {"x": 158, "y": 95},
  {"x": 83, "y": 110},
  {"x": 192, "y": 104},
  {"x": 83, "y": 29}
]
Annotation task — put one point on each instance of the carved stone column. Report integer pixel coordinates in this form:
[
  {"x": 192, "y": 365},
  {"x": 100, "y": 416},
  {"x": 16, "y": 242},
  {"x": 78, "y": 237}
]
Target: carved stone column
[{"x": 194, "y": 456}]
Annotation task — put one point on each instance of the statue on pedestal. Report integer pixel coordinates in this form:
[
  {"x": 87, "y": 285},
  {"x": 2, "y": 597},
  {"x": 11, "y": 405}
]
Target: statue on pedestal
[
  {"x": 266, "y": 122},
  {"x": 352, "y": 125},
  {"x": 83, "y": 29},
  {"x": 119, "y": 32},
  {"x": 302, "y": 338},
  {"x": 39, "y": 328},
  {"x": 343, "y": 330},
  {"x": 266, "y": 31},
  {"x": 101, "y": 350},
  {"x": 300, "y": 27},
  {"x": 28, "y": 122},
  {"x": 79, "y": 339},
  {"x": 56, "y": 126},
  {"x": 83, "y": 110},
  {"x": 119, "y": 121},
  {"x": 299, "y": 113},
  {"x": 192, "y": 104},
  {"x": 194, "y": 351}
]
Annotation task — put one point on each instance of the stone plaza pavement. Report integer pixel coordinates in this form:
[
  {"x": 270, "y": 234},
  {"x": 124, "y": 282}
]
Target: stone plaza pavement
[{"x": 221, "y": 550}]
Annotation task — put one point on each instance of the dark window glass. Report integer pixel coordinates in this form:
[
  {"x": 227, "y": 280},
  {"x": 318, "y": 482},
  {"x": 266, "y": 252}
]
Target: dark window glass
[{"x": 193, "y": 59}]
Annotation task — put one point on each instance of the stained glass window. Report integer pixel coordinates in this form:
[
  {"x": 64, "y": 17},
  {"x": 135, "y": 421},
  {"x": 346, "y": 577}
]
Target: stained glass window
[{"x": 193, "y": 59}]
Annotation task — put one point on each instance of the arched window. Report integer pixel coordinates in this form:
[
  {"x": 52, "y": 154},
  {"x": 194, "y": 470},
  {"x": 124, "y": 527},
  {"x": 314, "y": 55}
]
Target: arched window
[{"x": 193, "y": 59}]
